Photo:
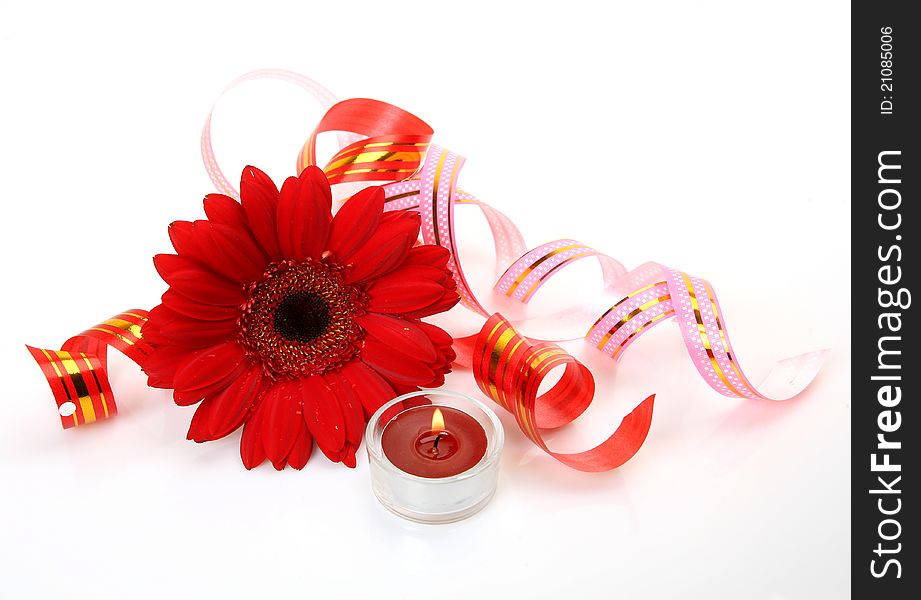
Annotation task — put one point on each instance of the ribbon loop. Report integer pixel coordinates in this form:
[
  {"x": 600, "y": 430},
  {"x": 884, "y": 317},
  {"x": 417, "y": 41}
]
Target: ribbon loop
[
  {"x": 527, "y": 274},
  {"x": 325, "y": 97},
  {"x": 77, "y": 372},
  {"x": 395, "y": 142},
  {"x": 509, "y": 369},
  {"x": 693, "y": 302}
]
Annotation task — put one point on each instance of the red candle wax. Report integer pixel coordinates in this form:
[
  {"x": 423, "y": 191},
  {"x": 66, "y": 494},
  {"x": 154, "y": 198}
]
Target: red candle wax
[{"x": 417, "y": 445}]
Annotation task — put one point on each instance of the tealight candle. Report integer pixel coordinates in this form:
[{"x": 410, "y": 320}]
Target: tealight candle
[
  {"x": 434, "y": 455},
  {"x": 434, "y": 441}
]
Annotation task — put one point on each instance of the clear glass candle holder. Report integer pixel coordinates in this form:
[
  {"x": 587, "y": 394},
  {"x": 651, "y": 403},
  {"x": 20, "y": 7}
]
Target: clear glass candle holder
[{"x": 427, "y": 499}]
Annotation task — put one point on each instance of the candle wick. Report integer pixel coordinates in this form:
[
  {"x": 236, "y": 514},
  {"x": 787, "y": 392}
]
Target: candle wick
[{"x": 435, "y": 443}]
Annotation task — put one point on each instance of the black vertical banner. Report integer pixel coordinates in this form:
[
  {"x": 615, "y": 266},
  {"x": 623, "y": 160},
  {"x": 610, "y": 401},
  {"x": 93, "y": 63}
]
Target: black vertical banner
[{"x": 885, "y": 226}]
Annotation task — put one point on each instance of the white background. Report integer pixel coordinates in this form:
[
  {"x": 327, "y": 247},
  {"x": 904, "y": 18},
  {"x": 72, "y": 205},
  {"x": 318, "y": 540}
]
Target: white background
[{"x": 713, "y": 137}]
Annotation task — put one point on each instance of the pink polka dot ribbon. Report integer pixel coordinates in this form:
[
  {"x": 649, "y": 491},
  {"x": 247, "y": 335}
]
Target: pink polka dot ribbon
[{"x": 646, "y": 303}]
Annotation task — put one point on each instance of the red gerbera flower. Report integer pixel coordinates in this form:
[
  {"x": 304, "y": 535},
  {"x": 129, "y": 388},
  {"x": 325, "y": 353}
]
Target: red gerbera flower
[{"x": 294, "y": 323}]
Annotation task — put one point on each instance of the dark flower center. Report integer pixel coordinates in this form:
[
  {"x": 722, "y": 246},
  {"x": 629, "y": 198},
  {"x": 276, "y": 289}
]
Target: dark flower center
[{"x": 301, "y": 317}]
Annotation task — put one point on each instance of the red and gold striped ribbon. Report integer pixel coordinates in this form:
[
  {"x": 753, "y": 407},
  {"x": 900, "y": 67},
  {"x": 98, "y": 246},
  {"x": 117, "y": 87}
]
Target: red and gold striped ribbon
[
  {"x": 509, "y": 369},
  {"x": 379, "y": 158},
  {"x": 77, "y": 372},
  {"x": 383, "y": 155}
]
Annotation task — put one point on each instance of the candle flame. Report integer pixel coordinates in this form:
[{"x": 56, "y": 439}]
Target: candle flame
[{"x": 438, "y": 421}]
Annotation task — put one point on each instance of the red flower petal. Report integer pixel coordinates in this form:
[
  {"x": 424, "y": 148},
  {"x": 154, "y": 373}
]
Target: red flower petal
[
  {"x": 420, "y": 271},
  {"x": 300, "y": 452},
  {"x": 202, "y": 428},
  {"x": 197, "y": 310},
  {"x": 355, "y": 222},
  {"x": 192, "y": 245},
  {"x": 198, "y": 334},
  {"x": 386, "y": 248},
  {"x": 182, "y": 236},
  {"x": 444, "y": 346},
  {"x": 315, "y": 177},
  {"x": 190, "y": 279},
  {"x": 398, "y": 368},
  {"x": 350, "y": 405},
  {"x": 230, "y": 407},
  {"x": 282, "y": 422},
  {"x": 225, "y": 210},
  {"x": 260, "y": 200},
  {"x": 251, "y": 449},
  {"x": 161, "y": 364},
  {"x": 198, "y": 427},
  {"x": 303, "y": 215},
  {"x": 153, "y": 337},
  {"x": 449, "y": 356},
  {"x": 347, "y": 456},
  {"x": 439, "y": 336},
  {"x": 372, "y": 389},
  {"x": 233, "y": 253},
  {"x": 400, "y": 335},
  {"x": 332, "y": 456},
  {"x": 322, "y": 414},
  {"x": 209, "y": 366},
  {"x": 400, "y": 389},
  {"x": 447, "y": 301},
  {"x": 169, "y": 327},
  {"x": 226, "y": 250},
  {"x": 428, "y": 255},
  {"x": 396, "y": 295},
  {"x": 187, "y": 397}
]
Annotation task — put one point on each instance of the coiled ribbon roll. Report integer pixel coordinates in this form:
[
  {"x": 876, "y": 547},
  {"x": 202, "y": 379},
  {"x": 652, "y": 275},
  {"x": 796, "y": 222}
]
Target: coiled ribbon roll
[{"x": 77, "y": 372}]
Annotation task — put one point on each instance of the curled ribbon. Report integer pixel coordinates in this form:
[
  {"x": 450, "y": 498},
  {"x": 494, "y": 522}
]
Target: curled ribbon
[
  {"x": 382, "y": 143},
  {"x": 77, "y": 372},
  {"x": 509, "y": 369}
]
